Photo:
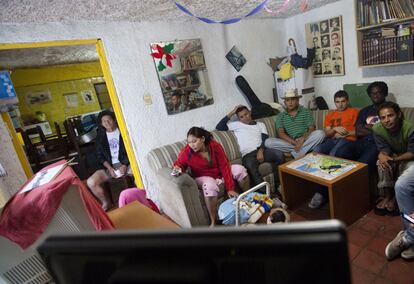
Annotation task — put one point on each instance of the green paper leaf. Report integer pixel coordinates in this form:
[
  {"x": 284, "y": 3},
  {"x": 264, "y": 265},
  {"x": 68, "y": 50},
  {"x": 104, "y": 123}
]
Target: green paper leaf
[
  {"x": 161, "y": 66},
  {"x": 168, "y": 48}
]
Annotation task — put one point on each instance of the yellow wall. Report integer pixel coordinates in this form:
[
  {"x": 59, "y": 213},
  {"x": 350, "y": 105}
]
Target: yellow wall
[{"x": 57, "y": 80}]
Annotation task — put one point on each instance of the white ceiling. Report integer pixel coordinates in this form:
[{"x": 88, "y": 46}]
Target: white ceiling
[
  {"x": 37, "y": 11},
  {"x": 18, "y": 11}
]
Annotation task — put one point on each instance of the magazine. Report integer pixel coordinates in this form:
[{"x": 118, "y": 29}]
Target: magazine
[{"x": 321, "y": 166}]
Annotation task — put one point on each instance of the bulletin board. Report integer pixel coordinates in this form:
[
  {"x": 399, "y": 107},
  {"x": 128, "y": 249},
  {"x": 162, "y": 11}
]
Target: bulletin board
[{"x": 358, "y": 96}]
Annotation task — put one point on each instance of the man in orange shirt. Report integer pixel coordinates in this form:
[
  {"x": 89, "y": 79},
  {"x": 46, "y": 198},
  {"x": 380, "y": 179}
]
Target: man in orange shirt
[
  {"x": 339, "y": 125},
  {"x": 339, "y": 131}
]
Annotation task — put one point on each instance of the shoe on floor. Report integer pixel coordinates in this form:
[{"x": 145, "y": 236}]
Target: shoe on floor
[
  {"x": 316, "y": 201},
  {"x": 408, "y": 254},
  {"x": 396, "y": 247}
]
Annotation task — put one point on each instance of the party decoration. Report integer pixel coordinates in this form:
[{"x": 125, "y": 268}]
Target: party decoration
[
  {"x": 278, "y": 10},
  {"x": 161, "y": 52},
  {"x": 225, "y": 22}
]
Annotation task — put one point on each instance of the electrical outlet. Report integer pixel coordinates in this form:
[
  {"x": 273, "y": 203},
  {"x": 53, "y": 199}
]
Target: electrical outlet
[{"x": 147, "y": 99}]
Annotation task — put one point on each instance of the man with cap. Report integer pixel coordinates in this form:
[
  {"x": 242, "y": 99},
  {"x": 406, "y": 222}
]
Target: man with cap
[{"x": 295, "y": 128}]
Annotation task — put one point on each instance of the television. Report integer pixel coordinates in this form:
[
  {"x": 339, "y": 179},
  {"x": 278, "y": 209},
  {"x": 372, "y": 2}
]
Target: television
[{"x": 311, "y": 252}]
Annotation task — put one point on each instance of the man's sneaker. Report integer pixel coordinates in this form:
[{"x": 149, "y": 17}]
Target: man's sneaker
[
  {"x": 408, "y": 254},
  {"x": 316, "y": 201},
  {"x": 396, "y": 247}
]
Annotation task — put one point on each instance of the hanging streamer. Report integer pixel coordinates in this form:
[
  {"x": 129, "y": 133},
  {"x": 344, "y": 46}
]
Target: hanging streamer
[
  {"x": 225, "y": 22},
  {"x": 279, "y": 10}
]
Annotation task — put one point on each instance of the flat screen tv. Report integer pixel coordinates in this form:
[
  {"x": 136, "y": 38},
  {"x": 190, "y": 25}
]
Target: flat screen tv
[{"x": 303, "y": 252}]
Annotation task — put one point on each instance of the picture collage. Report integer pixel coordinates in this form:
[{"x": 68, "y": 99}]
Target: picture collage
[{"x": 326, "y": 37}]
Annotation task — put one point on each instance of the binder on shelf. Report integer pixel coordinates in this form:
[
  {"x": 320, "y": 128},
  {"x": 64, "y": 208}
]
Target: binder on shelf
[{"x": 405, "y": 48}]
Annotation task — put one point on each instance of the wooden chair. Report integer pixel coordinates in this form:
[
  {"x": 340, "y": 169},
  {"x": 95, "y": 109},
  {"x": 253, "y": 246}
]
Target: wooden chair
[{"x": 45, "y": 151}]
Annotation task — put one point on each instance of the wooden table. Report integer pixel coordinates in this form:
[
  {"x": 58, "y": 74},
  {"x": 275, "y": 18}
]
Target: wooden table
[
  {"x": 348, "y": 193},
  {"x": 137, "y": 216}
]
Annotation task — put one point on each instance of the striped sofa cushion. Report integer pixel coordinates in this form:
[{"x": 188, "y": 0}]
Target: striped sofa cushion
[
  {"x": 270, "y": 124},
  {"x": 229, "y": 143},
  {"x": 165, "y": 156}
]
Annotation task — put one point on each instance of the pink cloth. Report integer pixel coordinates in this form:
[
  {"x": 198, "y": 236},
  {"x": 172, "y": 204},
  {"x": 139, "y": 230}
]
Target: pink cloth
[
  {"x": 210, "y": 186},
  {"x": 26, "y": 216},
  {"x": 136, "y": 194}
]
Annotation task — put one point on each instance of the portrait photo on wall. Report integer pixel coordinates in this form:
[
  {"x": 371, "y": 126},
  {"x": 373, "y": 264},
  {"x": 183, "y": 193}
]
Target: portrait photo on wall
[
  {"x": 182, "y": 73},
  {"x": 326, "y": 37},
  {"x": 236, "y": 58}
]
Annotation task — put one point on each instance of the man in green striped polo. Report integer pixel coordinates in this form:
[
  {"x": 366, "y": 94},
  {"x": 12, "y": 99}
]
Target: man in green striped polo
[{"x": 295, "y": 128}]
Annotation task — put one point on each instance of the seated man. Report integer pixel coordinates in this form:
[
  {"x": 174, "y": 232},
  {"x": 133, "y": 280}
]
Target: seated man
[
  {"x": 394, "y": 137},
  {"x": 395, "y": 140},
  {"x": 364, "y": 149},
  {"x": 339, "y": 125},
  {"x": 296, "y": 129},
  {"x": 250, "y": 137}
]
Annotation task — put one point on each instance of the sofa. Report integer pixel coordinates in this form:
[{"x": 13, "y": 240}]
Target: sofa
[{"x": 180, "y": 198}]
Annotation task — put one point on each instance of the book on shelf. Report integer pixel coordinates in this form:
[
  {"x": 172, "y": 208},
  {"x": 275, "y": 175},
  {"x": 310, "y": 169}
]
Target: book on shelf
[
  {"x": 383, "y": 50},
  {"x": 372, "y": 12},
  {"x": 405, "y": 48}
]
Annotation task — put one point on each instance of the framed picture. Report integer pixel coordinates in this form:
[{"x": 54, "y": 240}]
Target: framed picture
[
  {"x": 40, "y": 97},
  {"x": 71, "y": 99},
  {"x": 183, "y": 75},
  {"x": 87, "y": 97},
  {"x": 236, "y": 58},
  {"x": 326, "y": 37}
]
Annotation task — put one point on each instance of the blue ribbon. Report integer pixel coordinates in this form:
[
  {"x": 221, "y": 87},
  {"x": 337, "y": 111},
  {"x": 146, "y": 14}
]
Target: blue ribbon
[{"x": 225, "y": 22}]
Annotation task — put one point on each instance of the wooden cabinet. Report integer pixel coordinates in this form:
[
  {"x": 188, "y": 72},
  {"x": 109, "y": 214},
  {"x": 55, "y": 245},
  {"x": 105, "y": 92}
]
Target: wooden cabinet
[{"x": 384, "y": 32}]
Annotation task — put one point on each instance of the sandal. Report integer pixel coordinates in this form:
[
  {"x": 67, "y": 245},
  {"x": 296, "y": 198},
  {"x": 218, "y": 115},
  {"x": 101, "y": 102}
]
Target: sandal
[
  {"x": 380, "y": 211},
  {"x": 393, "y": 209}
]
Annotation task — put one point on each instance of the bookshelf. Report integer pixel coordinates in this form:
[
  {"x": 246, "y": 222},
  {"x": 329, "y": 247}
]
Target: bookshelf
[{"x": 384, "y": 32}]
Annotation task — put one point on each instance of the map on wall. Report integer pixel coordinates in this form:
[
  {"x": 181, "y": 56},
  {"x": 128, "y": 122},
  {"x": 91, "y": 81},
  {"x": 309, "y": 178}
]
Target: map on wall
[
  {"x": 326, "y": 37},
  {"x": 182, "y": 73}
]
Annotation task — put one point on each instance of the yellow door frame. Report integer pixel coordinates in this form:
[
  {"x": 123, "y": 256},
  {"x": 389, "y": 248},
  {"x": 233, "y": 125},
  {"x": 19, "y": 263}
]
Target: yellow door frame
[{"x": 112, "y": 94}]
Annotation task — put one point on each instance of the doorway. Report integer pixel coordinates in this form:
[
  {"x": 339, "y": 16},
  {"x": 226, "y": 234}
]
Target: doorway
[{"x": 79, "y": 103}]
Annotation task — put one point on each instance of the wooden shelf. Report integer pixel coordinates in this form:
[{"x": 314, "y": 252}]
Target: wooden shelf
[
  {"x": 373, "y": 49},
  {"x": 387, "y": 23}
]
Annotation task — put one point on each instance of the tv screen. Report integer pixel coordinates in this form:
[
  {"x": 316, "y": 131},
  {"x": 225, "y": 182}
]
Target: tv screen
[{"x": 303, "y": 252}]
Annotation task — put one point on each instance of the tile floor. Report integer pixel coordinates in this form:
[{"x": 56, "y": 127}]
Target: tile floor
[{"x": 367, "y": 239}]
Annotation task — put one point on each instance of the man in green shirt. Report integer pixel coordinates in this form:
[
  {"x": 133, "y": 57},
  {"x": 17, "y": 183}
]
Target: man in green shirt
[
  {"x": 295, "y": 128},
  {"x": 394, "y": 137}
]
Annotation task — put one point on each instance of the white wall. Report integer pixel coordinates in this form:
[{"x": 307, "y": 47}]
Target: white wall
[
  {"x": 400, "y": 79},
  {"x": 127, "y": 49}
]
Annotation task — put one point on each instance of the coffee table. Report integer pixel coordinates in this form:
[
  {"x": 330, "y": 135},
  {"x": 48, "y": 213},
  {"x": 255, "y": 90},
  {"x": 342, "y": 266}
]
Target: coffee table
[{"x": 348, "y": 192}]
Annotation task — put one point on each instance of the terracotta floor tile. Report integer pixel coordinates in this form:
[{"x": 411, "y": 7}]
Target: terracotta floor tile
[
  {"x": 378, "y": 245},
  {"x": 361, "y": 276},
  {"x": 379, "y": 219},
  {"x": 381, "y": 280},
  {"x": 353, "y": 251},
  {"x": 359, "y": 237},
  {"x": 370, "y": 261},
  {"x": 294, "y": 217},
  {"x": 390, "y": 231},
  {"x": 399, "y": 271},
  {"x": 396, "y": 220},
  {"x": 370, "y": 225}
]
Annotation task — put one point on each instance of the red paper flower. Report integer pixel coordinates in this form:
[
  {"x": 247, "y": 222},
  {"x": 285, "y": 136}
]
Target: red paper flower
[{"x": 164, "y": 52}]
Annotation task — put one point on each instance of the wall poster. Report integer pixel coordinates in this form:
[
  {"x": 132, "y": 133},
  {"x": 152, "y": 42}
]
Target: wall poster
[
  {"x": 326, "y": 37},
  {"x": 182, "y": 73}
]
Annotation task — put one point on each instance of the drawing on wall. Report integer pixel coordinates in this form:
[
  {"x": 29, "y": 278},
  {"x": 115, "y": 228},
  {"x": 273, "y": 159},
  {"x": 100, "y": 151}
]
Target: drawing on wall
[
  {"x": 183, "y": 77},
  {"x": 40, "y": 97},
  {"x": 236, "y": 58},
  {"x": 71, "y": 99},
  {"x": 326, "y": 37},
  {"x": 87, "y": 97}
]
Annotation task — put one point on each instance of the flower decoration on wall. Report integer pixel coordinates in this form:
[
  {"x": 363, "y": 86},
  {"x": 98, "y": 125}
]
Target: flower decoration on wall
[{"x": 164, "y": 55}]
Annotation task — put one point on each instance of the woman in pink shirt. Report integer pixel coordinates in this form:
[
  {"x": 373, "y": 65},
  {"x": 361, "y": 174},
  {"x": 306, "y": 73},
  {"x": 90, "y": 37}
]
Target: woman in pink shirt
[{"x": 210, "y": 167}]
